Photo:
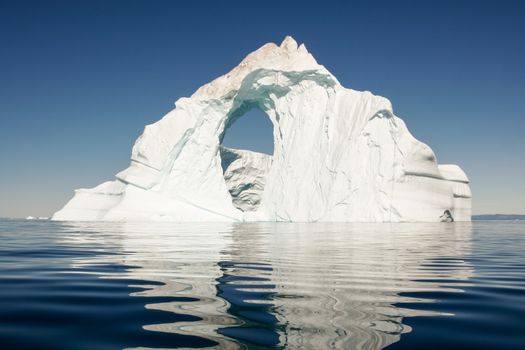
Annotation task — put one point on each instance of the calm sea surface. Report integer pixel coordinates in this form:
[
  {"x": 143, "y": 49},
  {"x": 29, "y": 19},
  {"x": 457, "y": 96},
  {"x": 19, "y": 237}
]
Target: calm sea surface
[{"x": 261, "y": 286}]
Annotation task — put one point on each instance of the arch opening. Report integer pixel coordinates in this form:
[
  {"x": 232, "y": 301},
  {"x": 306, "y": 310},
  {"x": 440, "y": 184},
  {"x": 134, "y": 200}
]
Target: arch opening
[{"x": 246, "y": 151}]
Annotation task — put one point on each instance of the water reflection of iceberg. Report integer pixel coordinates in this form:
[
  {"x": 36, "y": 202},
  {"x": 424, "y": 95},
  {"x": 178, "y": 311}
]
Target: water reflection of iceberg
[{"x": 290, "y": 285}]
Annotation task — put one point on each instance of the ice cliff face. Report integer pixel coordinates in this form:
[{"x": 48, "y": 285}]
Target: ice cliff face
[{"x": 339, "y": 155}]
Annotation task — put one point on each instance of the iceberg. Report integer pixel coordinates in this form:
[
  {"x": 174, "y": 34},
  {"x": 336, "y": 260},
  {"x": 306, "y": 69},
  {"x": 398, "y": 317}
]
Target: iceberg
[{"x": 339, "y": 155}]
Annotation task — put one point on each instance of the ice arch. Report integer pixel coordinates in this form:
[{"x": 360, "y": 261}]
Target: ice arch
[
  {"x": 339, "y": 155},
  {"x": 245, "y": 171}
]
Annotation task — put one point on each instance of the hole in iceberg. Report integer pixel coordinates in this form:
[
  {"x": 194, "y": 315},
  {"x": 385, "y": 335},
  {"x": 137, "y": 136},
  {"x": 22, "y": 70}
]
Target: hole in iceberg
[
  {"x": 246, "y": 151},
  {"x": 251, "y": 131}
]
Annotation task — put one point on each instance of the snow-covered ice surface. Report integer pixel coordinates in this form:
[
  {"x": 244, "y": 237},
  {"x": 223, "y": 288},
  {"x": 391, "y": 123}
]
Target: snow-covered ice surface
[{"x": 339, "y": 155}]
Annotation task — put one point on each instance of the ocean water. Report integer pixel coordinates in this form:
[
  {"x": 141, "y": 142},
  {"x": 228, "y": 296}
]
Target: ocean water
[{"x": 262, "y": 286}]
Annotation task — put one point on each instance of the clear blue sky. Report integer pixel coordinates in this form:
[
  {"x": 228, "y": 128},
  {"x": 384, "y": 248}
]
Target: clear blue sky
[{"x": 80, "y": 79}]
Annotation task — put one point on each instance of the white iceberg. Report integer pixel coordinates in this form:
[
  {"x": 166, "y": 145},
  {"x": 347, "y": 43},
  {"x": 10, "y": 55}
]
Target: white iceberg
[
  {"x": 37, "y": 218},
  {"x": 339, "y": 155}
]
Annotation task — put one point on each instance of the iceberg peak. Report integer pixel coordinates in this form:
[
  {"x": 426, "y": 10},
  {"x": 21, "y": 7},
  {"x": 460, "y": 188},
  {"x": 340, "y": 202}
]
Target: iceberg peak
[
  {"x": 339, "y": 155},
  {"x": 286, "y": 57},
  {"x": 289, "y": 44}
]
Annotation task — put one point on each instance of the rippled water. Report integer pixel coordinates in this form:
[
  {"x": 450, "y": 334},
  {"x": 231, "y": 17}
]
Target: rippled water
[{"x": 229, "y": 286}]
